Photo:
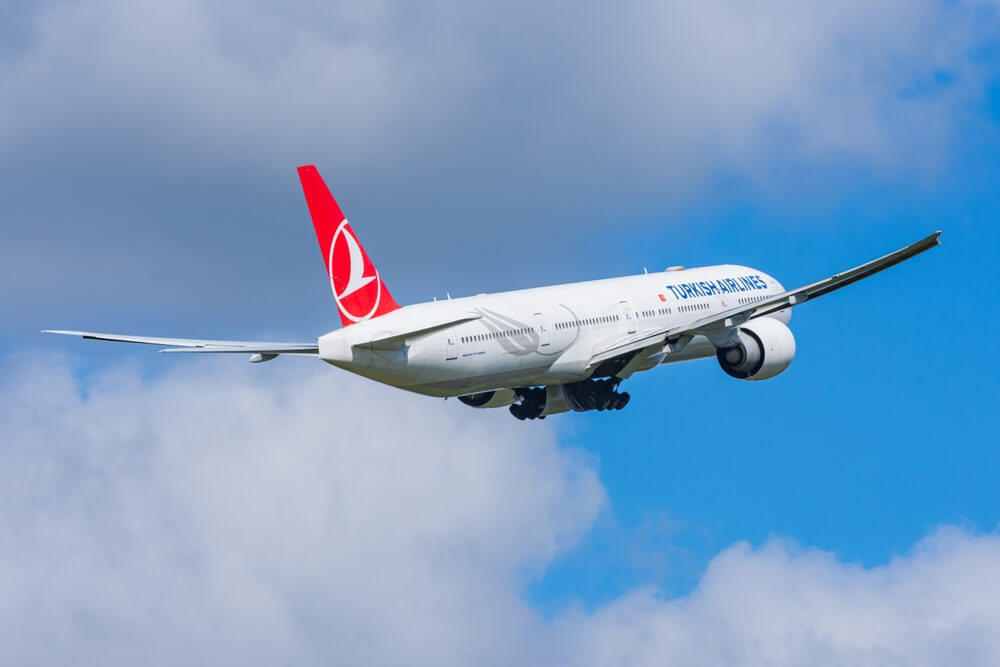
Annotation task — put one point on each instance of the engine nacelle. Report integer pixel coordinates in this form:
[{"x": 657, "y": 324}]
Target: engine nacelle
[
  {"x": 489, "y": 399},
  {"x": 764, "y": 348}
]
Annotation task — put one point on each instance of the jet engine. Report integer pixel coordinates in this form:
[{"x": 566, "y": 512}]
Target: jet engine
[
  {"x": 762, "y": 349},
  {"x": 489, "y": 399}
]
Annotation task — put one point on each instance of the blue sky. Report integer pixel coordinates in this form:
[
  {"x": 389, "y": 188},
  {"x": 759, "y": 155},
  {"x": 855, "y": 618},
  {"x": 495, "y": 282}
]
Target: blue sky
[
  {"x": 880, "y": 431},
  {"x": 147, "y": 158}
]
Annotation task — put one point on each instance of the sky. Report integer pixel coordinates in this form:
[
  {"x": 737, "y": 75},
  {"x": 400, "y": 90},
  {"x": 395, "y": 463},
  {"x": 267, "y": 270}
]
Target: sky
[{"x": 209, "y": 511}]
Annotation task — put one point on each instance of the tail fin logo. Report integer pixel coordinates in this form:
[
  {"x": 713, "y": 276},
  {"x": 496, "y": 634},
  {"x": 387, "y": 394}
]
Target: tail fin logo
[{"x": 354, "y": 279}]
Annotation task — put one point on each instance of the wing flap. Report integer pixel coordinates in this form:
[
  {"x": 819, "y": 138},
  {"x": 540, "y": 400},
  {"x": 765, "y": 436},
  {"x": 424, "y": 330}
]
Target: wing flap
[{"x": 634, "y": 343}]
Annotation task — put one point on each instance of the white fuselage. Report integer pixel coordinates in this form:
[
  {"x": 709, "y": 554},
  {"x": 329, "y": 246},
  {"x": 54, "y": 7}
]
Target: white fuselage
[{"x": 540, "y": 336}]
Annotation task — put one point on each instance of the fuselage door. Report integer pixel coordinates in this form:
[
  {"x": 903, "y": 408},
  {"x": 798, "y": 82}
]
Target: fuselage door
[
  {"x": 451, "y": 345},
  {"x": 543, "y": 330},
  {"x": 626, "y": 315}
]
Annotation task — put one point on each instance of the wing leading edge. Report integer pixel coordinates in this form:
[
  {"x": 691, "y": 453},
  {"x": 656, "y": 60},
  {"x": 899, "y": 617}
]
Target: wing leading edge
[
  {"x": 736, "y": 316},
  {"x": 264, "y": 349}
]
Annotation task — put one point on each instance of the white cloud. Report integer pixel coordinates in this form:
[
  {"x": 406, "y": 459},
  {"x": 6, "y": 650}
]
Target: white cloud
[
  {"x": 669, "y": 91},
  {"x": 291, "y": 513},
  {"x": 136, "y": 132},
  {"x": 781, "y": 605},
  {"x": 224, "y": 515},
  {"x": 220, "y": 81}
]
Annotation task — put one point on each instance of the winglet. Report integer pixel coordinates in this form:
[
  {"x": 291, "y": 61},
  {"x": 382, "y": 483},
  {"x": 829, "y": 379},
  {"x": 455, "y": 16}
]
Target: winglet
[{"x": 357, "y": 286}]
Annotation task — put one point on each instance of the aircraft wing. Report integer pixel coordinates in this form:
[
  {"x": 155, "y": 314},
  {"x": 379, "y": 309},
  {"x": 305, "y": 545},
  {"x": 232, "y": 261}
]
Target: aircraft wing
[
  {"x": 197, "y": 345},
  {"x": 740, "y": 314}
]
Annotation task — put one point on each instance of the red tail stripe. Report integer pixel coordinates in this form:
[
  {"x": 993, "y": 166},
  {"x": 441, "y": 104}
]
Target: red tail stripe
[
  {"x": 323, "y": 208},
  {"x": 357, "y": 287}
]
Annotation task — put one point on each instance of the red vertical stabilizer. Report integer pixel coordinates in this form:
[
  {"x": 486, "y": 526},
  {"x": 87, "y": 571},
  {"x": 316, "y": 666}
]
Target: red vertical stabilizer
[{"x": 357, "y": 286}]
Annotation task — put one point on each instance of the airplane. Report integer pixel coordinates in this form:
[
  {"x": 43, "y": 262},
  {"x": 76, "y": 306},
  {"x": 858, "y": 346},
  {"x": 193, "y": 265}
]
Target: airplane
[{"x": 545, "y": 350}]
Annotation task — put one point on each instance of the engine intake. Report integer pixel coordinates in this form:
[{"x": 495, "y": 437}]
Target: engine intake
[{"x": 763, "y": 348}]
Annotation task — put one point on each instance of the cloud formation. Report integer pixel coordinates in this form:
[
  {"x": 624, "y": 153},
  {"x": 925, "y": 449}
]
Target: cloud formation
[
  {"x": 289, "y": 517},
  {"x": 231, "y": 515},
  {"x": 686, "y": 87},
  {"x": 783, "y": 605},
  {"x": 143, "y": 131}
]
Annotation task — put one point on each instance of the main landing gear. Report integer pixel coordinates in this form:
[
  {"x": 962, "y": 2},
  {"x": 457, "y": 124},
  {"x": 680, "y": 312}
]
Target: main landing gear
[
  {"x": 539, "y": 402},
  {"x": 597, "y": 395},
  {"x": 532, "y": 404}
]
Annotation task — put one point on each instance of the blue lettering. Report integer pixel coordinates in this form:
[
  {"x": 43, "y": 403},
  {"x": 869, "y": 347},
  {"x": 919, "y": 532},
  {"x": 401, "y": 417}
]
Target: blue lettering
[
  {"x": 760, "y": 282},
  {"x": 688, "y": 290},
  {"x": 672, "y": 291},
  {"x": 704, "y": 288},
  {"x": 712, "y": 288}
]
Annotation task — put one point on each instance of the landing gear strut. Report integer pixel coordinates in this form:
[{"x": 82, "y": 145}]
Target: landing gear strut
[
  {"x": 577, "y": 396},
  {"x": 532, "y": 404},
  {"x": 597, "y": 395}
]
